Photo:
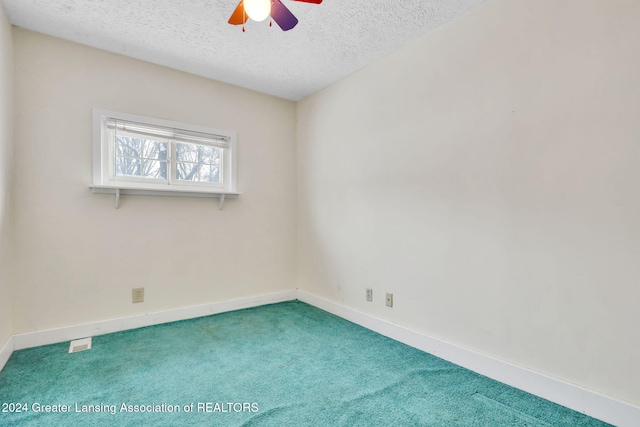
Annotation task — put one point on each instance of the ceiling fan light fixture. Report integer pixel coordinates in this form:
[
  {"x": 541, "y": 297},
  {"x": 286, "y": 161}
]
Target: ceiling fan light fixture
[{"x": 258, "y": 10}]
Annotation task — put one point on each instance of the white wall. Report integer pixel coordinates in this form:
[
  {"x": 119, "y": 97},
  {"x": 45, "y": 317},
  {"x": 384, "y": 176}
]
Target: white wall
[
  {"x": 76, "y": 257},
  {"x": 6, "y": 107},
  {"x": 488, "y": 175}
]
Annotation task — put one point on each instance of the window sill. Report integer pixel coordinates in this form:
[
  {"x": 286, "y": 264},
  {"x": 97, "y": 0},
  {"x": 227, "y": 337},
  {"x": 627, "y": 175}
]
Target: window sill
[{"x": 177, "y": 192}]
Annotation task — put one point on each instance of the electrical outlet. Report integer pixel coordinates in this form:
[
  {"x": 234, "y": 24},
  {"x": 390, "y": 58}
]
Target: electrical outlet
[
  {"x": 389, "y": 300},
  {"x": 137, "y": 295},
  {"x": 369, "y": 294}
]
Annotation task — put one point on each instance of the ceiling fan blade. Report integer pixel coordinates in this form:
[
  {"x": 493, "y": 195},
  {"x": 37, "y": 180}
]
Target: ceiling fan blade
[
  {"x": 283, "y": 16},
  {"x": 310, "y": 1},
  {"x": 238, "y": 17}
]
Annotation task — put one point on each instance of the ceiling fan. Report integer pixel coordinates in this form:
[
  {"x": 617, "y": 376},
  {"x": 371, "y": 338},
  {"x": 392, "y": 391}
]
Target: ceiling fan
[{"x": 259, "y": 10}]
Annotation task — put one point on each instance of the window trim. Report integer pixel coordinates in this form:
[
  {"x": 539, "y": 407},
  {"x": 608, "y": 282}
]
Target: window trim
[{"x": 102, "y": 160}]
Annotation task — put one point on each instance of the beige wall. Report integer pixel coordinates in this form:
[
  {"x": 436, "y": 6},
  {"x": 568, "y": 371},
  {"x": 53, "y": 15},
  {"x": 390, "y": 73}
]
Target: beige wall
[
  {"x": 76, "y": 257},
  {"x": 6, "y": 107},
  {"x": 487, "y": 174}
]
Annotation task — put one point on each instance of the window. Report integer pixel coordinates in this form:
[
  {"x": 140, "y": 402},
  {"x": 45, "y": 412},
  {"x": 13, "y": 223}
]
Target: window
[{"x": 152, "y": 154}]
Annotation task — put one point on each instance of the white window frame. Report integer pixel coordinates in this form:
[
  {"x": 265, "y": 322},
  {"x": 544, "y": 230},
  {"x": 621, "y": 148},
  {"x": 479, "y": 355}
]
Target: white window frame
[{"x": 103, "y": 157}]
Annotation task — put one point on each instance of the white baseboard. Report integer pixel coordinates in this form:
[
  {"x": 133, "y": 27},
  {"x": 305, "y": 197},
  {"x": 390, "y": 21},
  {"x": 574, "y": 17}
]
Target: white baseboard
[
  {"x": 604, "y": 408},
  {"x": 69, "y": 333},
  {"x": 5, "y": 352},
  {"x": 595, "y": 405}
]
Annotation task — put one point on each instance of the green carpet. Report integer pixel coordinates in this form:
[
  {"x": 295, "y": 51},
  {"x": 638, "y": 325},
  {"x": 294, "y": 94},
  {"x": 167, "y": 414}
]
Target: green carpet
[{"x": 285, "y": 364}]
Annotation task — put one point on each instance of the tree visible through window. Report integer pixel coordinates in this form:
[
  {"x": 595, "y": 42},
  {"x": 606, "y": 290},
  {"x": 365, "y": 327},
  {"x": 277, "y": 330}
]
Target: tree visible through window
[
  {"x": 136, "y": 151},
  {"x": 139, "y": 157},
  {"x": 199, "y": 163}
]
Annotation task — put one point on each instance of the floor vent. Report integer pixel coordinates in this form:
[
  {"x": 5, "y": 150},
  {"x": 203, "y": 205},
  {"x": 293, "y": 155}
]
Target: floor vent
[{"x": 80, "y": 345}]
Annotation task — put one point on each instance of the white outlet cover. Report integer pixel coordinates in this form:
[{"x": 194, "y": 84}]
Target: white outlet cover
[{"x": 80, "y": 345}]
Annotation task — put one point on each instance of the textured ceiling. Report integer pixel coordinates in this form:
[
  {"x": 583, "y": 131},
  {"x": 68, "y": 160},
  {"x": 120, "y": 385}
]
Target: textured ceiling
[{"x": 331, "y": 41}]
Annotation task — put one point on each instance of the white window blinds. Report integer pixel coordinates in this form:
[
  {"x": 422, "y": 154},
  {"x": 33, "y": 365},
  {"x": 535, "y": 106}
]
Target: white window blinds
[{"x": 174, "y": 134}]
